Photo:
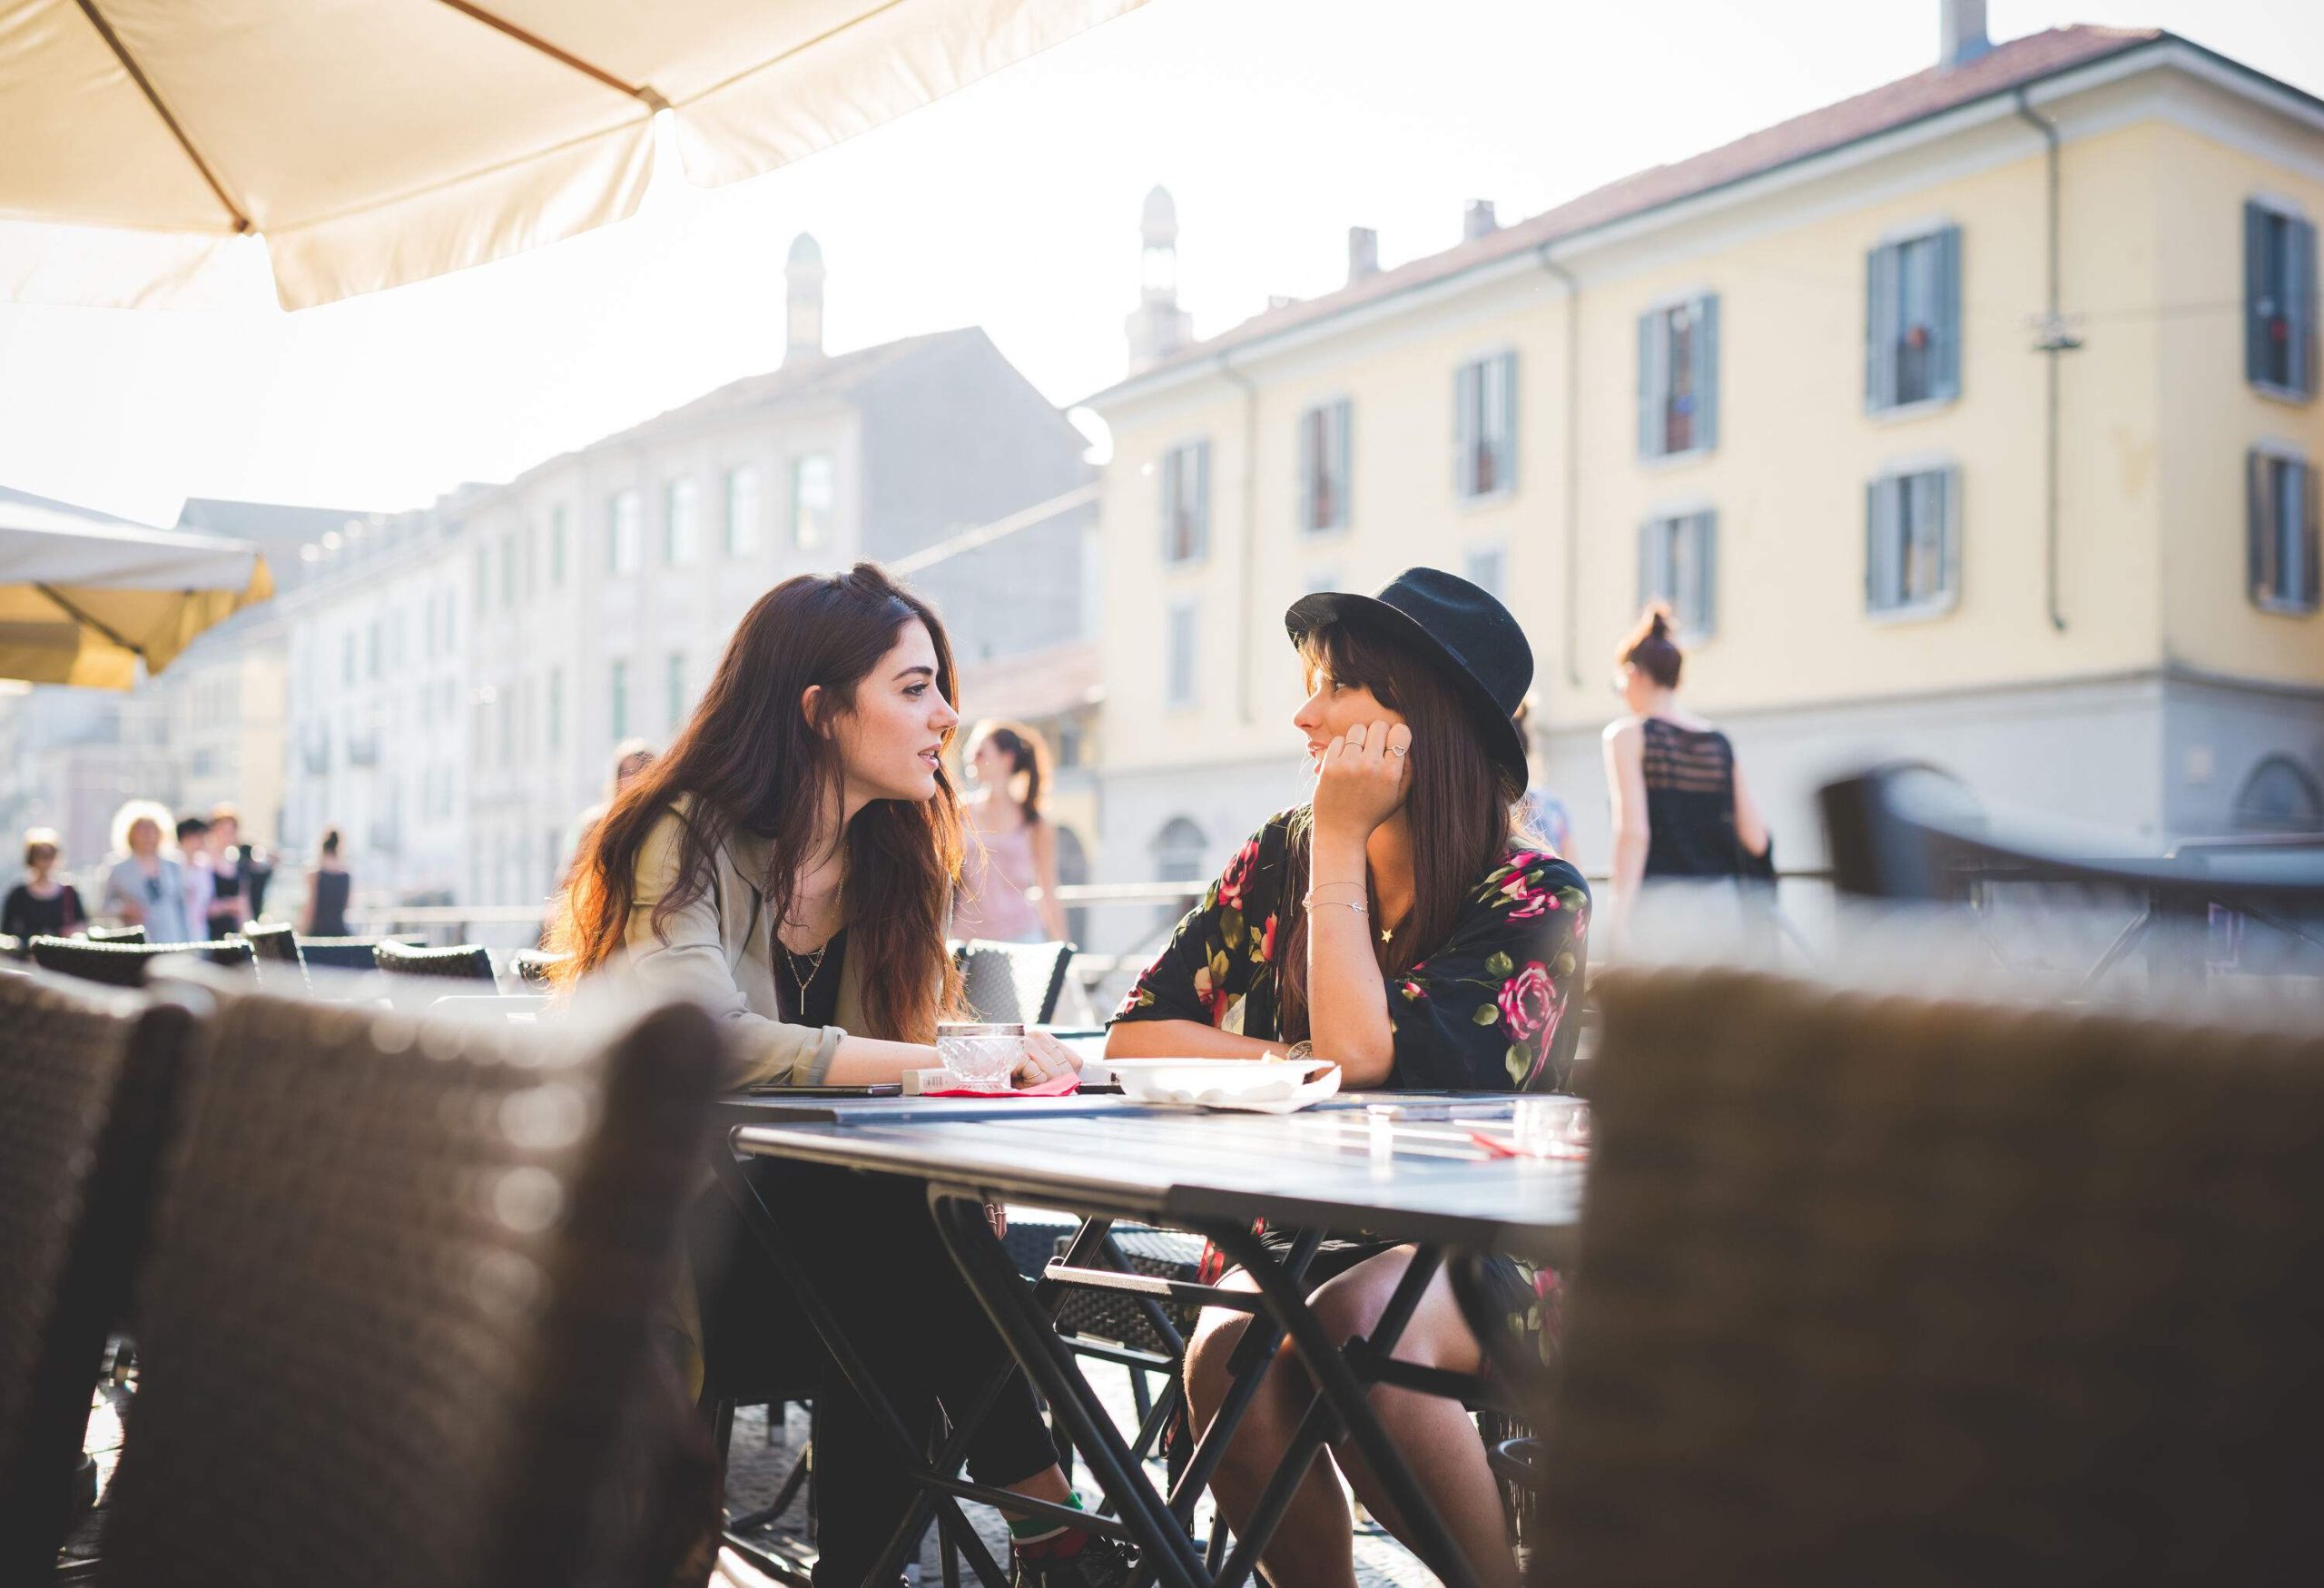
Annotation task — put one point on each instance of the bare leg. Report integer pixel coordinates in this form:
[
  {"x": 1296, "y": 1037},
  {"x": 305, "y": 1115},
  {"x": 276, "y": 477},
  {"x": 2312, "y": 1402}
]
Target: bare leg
[
  {"x": 1435, "y": 1435},
  {"x": 1315, "y": 1547}
]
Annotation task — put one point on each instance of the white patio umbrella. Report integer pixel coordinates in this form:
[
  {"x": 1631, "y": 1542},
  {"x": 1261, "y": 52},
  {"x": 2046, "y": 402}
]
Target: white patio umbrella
[
  {"x": 82, "y": 596},
  {"x": 372, "y": 143}
]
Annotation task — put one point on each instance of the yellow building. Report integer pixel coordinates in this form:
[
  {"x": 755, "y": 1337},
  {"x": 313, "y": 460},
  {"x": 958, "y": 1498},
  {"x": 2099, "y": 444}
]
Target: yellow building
[{"x": 1971, "y": 420}]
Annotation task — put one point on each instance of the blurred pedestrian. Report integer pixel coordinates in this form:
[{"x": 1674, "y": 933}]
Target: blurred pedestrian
[
  {"x": 631, "y": 758},
  {"x": 241, "y": 871},
  {"x": 1541, "y": 812},
  {"x": 1009, "y": 871},
  {"x": 328, "y": 888},
  {"x": 1681, "y": 807},
  {"x": 193, "y": 856},
  {"x": 145, "y": 887},
  {"x": 42, "y": 905}
]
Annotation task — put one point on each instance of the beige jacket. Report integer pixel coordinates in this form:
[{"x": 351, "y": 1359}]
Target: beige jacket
[{"x": 719, "y": 952}]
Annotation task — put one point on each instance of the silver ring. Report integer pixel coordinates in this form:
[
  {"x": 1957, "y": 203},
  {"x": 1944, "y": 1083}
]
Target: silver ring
[{"x": 1397, "y": 749}]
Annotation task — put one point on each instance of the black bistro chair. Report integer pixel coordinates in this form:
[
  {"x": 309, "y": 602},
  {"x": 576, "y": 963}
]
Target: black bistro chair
[
  {"x": 535, "y": 967},
  {"x": 347, "y": 953},
  {"x": 466, "y": 961},
  {"x": 114, "y": 934},
  {"x": 89, "y": 1073},
  {"x": 1014, "y": 981},
  {"x": 125, "y": 964},
  {"x": 397, "y": 1327}
]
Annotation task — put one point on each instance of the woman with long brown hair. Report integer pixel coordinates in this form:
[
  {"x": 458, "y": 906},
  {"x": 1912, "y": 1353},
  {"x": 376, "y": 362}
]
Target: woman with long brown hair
[
  {"x": 789, "y": 863},
  {"x": 1396, "y": 925}
]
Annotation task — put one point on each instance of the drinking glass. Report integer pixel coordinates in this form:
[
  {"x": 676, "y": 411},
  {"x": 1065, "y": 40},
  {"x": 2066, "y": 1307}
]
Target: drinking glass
[
  {"x": 980, "y": 1053},
  {"x": 1551, "y": 1126}
]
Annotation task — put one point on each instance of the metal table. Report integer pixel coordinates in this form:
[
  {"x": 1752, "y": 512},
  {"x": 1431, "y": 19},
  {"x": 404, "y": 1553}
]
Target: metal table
[{"x": 1415, "y": 1179}]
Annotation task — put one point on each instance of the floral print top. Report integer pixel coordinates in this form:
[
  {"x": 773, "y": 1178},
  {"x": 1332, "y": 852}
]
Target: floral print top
[{"x": 1485, "y": 1010}]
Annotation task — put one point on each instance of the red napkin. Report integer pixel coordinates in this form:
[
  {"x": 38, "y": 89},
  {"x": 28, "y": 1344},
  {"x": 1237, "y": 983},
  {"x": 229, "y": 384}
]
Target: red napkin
[{"x": 1055, "y": 1086}]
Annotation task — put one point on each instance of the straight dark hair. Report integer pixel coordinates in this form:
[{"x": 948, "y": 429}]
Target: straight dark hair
[
  {"x": 1457, "y": 801},
  {"x": 753, "y": 763}
]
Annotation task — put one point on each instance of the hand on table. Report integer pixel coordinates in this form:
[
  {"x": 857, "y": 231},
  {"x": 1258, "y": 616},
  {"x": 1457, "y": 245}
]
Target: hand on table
[{"x": 1044, "y": 1058}]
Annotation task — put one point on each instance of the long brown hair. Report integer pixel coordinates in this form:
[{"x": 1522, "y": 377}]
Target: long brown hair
[
  {"x": 1457, "y": 800},
  {"x": 1028, "y": 757},
  {"x": 753, "y": 761}
]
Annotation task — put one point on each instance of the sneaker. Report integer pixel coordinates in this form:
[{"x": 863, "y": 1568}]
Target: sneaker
[{"x": 1099, "y": 1562}]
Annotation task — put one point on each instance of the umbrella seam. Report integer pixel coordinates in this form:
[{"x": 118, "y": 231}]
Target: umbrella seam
[
  {"x": 137, "y": 75},
  {"x": 644, "y": 93},
  {"x": 800, "y": 48},
  {"x": 54, "y": 594}
]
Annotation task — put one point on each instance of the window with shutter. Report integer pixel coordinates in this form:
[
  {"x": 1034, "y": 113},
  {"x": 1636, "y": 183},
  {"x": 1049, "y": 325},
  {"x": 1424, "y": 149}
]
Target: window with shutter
[
  {"x": 1678, "y": 565},
  {"x": 2279, "y": 301},
  {"x": 1484, "y": 426},
  {"x": 1323, "y": 467},
  {"x": 2283, "y": 539},
  {"x": 1678, "y": 369},
  {"x": 1911, "y": 558},
  {"x": 1913, "y": 320},
  {"x": 1185, "y": 472}
]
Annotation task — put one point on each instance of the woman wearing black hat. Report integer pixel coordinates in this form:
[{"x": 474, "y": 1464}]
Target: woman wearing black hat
[{"x": 1396, "y": 925}]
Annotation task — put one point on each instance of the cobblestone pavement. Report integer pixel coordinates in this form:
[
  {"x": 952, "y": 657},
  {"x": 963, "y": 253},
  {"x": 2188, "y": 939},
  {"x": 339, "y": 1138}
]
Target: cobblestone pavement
[{"x": 758, "y": 1465}]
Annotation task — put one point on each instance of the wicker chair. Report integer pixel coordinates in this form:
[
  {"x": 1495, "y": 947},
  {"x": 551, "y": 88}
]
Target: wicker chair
[
  {"x": 396, "y": 1328},
  {"x": 115, "y": 935},
  {"x": 1880, "y": 1288},
  {"x": 345, "y": 954},
  {"x": 465, "y": 962},
  {"x": 1014, "y": 981},
  {"x": 124, "y": 964},
  {"x": 88, "y": 1074}
]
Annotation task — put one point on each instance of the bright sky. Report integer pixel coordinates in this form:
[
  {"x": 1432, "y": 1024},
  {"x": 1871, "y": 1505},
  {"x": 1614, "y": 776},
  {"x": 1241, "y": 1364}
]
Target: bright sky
[{"x": 1277, "y": 124}]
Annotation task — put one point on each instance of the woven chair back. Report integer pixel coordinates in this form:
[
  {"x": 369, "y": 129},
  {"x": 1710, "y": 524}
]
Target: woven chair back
[
  {"x": 273, "y": 940},
  {"x": 466, "y": 961},
  {"x": 125, "y": 964},
  {"x": 115, "y": 935},
  {"x": 87, "y": 1073},
  {"x": 1014, "y": 981},
  {"x": 395, "y": 1326},
  {"x": 1877, "y": 1287},
  {"x": 345, "y": 953}
]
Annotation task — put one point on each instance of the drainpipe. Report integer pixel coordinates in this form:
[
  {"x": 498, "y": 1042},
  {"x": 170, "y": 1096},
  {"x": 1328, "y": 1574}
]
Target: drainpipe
[
  {"x": 1250, "y": 550},
  {"x": 2053, "y": 340},
  {"x": 1572, "y": 463}
]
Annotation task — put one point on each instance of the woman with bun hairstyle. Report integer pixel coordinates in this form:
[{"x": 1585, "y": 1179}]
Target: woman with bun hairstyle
[
  {"x": 1009, "y": 876},
  {"x": 1397, "y": 926},
  {"x": 1681, "y": 809}
]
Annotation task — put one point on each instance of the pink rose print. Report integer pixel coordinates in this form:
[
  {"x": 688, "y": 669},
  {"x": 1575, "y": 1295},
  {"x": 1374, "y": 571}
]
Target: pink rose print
[
  {"x": 1526, "y": 1001},
  {"x": 1267, "y": 941},
  {"x": 1526, "y": 902},
  {"x": 1413, "y": 991},
  {"x": 1237, "y": 880},
  {"x": 1213, "y": 996}
]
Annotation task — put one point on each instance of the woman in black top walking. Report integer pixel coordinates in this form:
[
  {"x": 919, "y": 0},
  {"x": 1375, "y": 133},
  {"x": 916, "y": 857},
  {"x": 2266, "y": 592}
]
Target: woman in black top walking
[
  {"x": 1681, "y": 808},
  {"x": 327, "y": 887}
]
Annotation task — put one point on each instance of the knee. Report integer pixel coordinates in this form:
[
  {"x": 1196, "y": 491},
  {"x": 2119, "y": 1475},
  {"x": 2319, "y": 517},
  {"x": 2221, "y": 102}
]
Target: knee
[
  {"x": 1344, "y": 1312},
  {"x": 1207, "y": 1352}
]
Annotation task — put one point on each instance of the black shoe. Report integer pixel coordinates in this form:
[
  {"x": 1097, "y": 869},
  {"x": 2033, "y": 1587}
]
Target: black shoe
[{"x": 1100, "y": 1563}]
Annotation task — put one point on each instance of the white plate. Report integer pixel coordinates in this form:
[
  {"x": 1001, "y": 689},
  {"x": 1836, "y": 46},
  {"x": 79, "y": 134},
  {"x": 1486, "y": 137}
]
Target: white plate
[{"x": 1221, "y": 1082}]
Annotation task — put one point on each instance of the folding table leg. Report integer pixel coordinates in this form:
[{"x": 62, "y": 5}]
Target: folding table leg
[
  {"x": 1348, "y": 1395},
  {"x": 776, "y": 1248},
  {"x": 1031, "y": 1334}
]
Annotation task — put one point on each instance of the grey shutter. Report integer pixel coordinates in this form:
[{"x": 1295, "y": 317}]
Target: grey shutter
[
  {"x": 2300, "y": 306},
  {"x": 1881, "y": 311},
  {"x": 1466, "y": 401},
  {"x": 1707, "y": 371},
  {"x": 1201, "y": 536},
  {"x": 1167, "y": 491},
  {"x": 1653, "y": 381},
  {"x": 1943, "y": 484},
  {"x": 1707, "y": 571},
  {"x": 1880, "y": 528},
  {"x": 1306, "y": 458},
  {"x": 1647, "y": 537},
  {"x": 2308, "y": 592},
  {"x": 2256, "y": 308},
  {"x": 1505, "y": 473},
  {"x": 1343, "y": 457},
  {"x": 2260, "y": 527},
  {"x": 1945, "y": 378}
]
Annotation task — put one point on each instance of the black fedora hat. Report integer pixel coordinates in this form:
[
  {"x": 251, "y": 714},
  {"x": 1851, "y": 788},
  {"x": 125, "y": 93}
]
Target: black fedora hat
[{"x": 1445, "y": 616}]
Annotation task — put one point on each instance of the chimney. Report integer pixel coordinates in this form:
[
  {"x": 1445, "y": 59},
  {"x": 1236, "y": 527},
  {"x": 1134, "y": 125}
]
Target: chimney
[
  {"x": 802, "y": 320},
  {"x": 1961, "y": 32},
  {"x": 1362, "y": 253},
  {"x": 1477, "y": 221}
]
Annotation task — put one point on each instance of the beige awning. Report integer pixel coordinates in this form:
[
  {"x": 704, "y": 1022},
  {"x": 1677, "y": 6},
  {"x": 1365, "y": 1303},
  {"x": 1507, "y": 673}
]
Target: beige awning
[
  {"x": 373, "y": 142},
  {"x": 83, "y": 597}
]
